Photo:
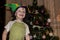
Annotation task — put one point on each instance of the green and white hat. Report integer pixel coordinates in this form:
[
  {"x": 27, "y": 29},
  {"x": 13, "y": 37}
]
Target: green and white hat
[{"x": 13, "y": 6}]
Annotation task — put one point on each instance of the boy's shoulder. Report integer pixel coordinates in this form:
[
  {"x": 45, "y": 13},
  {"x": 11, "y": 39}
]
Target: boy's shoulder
[
  {"x": 25, "y": 24},
  {"x": 11, "y": 22}
]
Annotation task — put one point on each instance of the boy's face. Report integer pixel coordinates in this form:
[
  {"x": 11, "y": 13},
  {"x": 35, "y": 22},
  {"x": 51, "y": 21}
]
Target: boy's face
[{"x": 20, "y": 13}]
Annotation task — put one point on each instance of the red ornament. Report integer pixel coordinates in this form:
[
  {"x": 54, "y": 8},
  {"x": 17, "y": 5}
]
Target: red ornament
[{"x": 36, "y": 22}]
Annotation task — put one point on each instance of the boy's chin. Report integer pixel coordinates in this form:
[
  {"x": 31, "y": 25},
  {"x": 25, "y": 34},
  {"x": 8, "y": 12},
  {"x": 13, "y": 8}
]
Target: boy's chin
[{"x": 21, "y": 18}]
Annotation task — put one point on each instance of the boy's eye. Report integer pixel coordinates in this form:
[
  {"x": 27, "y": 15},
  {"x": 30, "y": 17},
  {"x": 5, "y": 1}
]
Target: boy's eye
[
  {"x": 19, "y": 11},
  {"x": 22, "y": 11}
]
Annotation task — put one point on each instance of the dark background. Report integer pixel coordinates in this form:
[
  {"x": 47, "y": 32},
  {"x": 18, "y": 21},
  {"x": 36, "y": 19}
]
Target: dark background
[{"x": 2, "y": 17}]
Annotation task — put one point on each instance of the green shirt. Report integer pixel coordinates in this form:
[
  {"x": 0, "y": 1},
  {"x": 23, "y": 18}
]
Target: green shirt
[{"x": 17, "y": 31}]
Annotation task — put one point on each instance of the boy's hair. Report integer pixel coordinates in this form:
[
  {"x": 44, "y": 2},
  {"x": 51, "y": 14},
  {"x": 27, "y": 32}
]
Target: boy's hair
[{"x": 13, "y": 15}]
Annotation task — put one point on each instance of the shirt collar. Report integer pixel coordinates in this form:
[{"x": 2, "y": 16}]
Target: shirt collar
[{"x": 18, "y": 21}]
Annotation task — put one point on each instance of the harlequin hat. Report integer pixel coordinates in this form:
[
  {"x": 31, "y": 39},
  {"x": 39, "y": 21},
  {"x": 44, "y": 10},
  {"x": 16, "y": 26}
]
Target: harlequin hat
[{"x": 13, "y": 6}]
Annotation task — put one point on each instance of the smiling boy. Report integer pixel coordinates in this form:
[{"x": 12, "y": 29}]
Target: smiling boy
[{"x": 18, "y": 29}]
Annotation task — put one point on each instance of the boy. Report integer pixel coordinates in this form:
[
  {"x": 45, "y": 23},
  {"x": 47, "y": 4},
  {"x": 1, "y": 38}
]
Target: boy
[{"x": 18, "y": 29}]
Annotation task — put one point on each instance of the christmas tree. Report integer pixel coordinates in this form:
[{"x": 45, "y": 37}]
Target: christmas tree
[{"x": 38, "y": 20}]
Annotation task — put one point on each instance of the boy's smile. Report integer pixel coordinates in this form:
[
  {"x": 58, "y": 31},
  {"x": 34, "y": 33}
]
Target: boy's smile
[{"x": 20, "y": 13}]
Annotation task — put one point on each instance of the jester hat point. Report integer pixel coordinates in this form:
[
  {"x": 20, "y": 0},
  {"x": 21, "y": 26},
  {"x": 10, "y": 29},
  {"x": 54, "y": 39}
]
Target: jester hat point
[{"x": 13, "y": 6}]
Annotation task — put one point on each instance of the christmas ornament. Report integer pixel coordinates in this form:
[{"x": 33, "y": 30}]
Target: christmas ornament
[
  {"x": 47, "y": 24},
  {"x": 50, "y": 34},
  {"x": 36, "y": 12},
  {"x": 43, "y": 36},
  {"x": 36, "y": 22},
  {"x": 35, "y": 36},
  {"x": 49, "y": 20},
  {"x": 36, "y": 26},
  {"x": 31, "y": 23}
]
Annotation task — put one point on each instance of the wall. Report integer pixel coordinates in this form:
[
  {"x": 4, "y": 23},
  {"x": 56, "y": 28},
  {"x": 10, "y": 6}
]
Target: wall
[
  {"x": 57, "y": 16},
  {"x": 54, "y": 7}
]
